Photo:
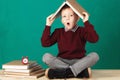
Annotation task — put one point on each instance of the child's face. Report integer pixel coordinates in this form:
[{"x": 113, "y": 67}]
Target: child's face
[{"x": 69, "y": 18}]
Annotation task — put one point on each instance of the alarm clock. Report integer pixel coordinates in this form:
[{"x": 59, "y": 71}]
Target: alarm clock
[{"x": 25, "y": 60}]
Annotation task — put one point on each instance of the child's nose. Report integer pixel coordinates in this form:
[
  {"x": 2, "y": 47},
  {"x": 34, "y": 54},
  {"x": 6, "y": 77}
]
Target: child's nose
[{"x": 68, "y": 18}]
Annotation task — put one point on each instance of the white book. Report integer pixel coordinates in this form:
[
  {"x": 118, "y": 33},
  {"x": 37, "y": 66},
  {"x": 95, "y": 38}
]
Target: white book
[
  {"x": 77, "y": 8},
  {"x": 17, "y": 64},
  {"x": 34, "y": 68}
]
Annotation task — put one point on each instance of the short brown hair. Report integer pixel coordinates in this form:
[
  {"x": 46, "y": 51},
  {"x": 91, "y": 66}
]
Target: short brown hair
[{"x": 64, "y": 7}]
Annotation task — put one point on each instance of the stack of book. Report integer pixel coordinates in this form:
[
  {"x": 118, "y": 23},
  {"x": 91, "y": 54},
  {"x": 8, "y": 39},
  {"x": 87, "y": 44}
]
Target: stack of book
[{"x": 17, "y": 69}]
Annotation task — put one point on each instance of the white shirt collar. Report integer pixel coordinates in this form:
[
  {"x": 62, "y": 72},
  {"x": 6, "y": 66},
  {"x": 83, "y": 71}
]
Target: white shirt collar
[{"x": 73, "y": 30}]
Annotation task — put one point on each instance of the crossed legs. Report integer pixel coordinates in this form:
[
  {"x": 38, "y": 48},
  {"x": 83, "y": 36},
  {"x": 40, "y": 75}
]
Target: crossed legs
[{"x": 76, "y": 65}]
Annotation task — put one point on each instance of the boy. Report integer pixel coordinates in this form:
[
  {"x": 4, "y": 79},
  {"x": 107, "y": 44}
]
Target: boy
[{"x": 71, "y": 60}]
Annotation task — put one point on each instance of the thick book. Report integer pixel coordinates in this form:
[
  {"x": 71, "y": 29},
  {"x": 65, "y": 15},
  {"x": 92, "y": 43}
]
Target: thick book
[
  {"x": 35, "y": 76},
  {"x": 17, "y": 64},
  {"x": 77, "y": 8},
  {"x": 34, "y": 68},
  {"x": 24, "y": 74}
]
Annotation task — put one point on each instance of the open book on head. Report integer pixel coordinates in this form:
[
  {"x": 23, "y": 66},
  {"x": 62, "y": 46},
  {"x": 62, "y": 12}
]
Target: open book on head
[{"x": 77, "y": 8}]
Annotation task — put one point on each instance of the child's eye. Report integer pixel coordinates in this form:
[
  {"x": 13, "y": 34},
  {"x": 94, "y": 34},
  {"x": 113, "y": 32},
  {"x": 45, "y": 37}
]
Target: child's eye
[
  {"x": 71, "y": 15},
  {"x": 63, "y": 16}
]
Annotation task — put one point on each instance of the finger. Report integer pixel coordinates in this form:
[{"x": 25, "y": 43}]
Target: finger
[
  {"x": 50, "y": 15},
  {"x": 53, "y": 17},
  {"x": 84, "y": 13},
  {"x": 48, "y": 18}
]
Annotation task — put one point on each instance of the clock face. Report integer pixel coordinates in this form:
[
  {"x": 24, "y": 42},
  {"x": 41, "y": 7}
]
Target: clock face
[{"x": 25, "y": 60}]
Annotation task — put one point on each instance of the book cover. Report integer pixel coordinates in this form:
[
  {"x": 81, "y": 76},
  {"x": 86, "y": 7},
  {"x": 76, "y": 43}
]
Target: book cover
[
  {"x": 17, "y": 64},
  {"x": 77, "y": 8}
]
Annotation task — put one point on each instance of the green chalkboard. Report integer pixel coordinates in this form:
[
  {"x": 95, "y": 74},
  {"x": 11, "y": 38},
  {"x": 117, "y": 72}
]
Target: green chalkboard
[{"x": 22, "y": 23}]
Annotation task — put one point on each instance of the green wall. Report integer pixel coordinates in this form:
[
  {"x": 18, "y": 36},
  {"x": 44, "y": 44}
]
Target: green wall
[{"x": 22, "y": 23}]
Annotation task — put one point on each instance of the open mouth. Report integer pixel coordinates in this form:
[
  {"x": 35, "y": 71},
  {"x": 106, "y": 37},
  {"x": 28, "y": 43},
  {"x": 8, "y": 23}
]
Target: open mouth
[{"x": 68, "y": 23}]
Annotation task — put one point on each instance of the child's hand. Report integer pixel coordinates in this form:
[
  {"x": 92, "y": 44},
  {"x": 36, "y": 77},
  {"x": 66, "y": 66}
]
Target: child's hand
[
  {"x": 86, "y": 17},
  {"x": 49, "y": 20}
]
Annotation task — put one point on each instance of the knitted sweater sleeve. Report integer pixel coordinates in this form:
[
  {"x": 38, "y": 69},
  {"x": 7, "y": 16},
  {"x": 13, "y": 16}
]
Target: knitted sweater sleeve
[
  {"x": 48, "y": 39},
  {"x": 89, "y": 33}
]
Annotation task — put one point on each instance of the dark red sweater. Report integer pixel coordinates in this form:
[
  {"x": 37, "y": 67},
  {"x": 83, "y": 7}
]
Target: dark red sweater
[{"x": 71, "y": 44}]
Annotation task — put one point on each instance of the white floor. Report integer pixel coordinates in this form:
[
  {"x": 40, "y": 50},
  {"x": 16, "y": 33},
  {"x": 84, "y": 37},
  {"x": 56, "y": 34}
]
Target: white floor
[{"x": 96, "y": 75}]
